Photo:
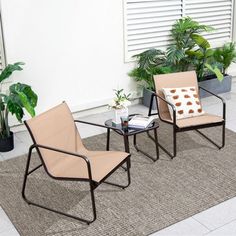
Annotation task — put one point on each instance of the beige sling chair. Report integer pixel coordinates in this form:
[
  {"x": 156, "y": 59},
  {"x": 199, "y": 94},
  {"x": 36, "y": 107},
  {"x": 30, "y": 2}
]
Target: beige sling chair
[
  {"x": 64, "y": 157},
  {"x": 178, "y": 80}
]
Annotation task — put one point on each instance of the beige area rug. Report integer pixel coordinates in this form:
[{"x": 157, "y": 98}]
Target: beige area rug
[{"x": 160, "y": 194}]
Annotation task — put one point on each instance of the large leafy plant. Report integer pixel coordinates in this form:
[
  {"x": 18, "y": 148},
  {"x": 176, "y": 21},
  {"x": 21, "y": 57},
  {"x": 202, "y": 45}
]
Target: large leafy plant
[
  {"x": 185, "y": 33},
  {"x": 189, "y": 50},
  {"x": 149, "y": 63},
  {"x": 19, "y": 97},
  {"x": 201, "y": 58}
]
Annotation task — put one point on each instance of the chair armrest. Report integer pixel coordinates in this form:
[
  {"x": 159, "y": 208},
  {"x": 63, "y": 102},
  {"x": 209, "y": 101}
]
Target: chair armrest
[
  {"x": 66, "y": 152},
  {"x": 167, "y": 102},
  {"x": 98, "y": 125},
  {"x": 219, "y": 97}
]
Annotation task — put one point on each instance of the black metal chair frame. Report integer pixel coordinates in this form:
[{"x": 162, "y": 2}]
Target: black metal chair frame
[
  {"x": 177, "y": 129},
  {"x": 93, "y": 184}
]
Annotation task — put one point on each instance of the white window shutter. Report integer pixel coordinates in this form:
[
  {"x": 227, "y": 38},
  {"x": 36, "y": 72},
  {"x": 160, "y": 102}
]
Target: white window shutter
[
  {"x": 215, "y": 13},
  {"x": 147, "y": 24}
]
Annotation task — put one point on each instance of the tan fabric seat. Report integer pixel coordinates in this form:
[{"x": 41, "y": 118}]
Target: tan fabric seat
[
  {"x": 194, "y": 121},
  {"x": 102, "y": 163},
  {"x": 180, "y": 80},
  {"x": 56, "y": 128}
]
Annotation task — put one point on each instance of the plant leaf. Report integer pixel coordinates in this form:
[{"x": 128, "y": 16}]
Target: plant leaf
[
  {"x": 198, "y": 54},
  {"x": 216, "y": 71},
  {"x": 6, "y": 73},
  {"x": 200, "y": 41},
  {"x": 14, "y": 106},
  {"x": 26, "y": 104}
]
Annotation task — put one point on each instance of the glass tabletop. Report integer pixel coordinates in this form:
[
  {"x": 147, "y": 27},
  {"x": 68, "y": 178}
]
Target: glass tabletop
[{"x": 119, "y": 129}]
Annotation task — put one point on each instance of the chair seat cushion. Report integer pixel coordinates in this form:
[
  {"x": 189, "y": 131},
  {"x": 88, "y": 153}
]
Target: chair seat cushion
[
  {"x": 102, "y": 163},
  {"x": 194, "y": 121}
]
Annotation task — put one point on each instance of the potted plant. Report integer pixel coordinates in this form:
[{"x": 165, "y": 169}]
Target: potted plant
[
  {"x": 212, "y": 68},
  {"x": 189, "y": 51},
  {"x": 119, "y": 105},
  {"x": 149, "y": 63},
  {"x": 18, "y": 98},
  {"x": 223, "y": 57}
]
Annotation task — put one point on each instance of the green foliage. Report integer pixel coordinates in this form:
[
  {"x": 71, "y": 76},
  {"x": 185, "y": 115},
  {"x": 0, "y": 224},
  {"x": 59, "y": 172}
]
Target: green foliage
[
  {"x": 202, "y": 58},
  {"x": 216, "y": 71},
  {"x": 121, "y": 96},
  {"x": 20, "y": 97},
  {"x": 6, "y": 73},
  {"x": 185, "y": 35},
  {"x": 121, "y": 100},
  {"x": 188, "y": 50},
  {"x": 149, "y": 63},
  {"x": 225, "y": 55}
]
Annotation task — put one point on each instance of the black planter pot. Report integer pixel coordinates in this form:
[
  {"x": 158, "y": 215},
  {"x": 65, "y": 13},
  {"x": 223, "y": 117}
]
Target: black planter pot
[{"x": 7, "y": 144}]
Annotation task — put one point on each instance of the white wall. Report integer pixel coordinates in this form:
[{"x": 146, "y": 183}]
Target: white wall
[{"x": 73, "y": 49}]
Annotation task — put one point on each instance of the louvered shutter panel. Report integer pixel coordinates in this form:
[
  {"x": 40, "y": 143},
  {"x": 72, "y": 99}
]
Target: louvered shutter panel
[
  {"x": 215, "y": 13},
  {"x": 147, "y": 24}
]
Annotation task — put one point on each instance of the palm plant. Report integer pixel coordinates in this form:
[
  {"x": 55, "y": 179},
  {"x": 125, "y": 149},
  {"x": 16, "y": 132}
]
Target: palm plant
[
  {"x": 225, "y": 55},
  {"x": 184, "y": 34},
  {"x": 149, "y": 63},
  {"x": 20, "y": 97}
]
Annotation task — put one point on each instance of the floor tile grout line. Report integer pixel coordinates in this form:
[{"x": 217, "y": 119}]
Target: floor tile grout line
[
  {"x": 201, "y": 223},
  {"x": 212, "y": 230}
]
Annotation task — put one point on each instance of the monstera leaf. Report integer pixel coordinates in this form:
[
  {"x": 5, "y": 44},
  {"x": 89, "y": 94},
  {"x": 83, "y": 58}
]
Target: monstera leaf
[
  {"x": 21, "y": 96},
  {"x": 6, "y": 73}
]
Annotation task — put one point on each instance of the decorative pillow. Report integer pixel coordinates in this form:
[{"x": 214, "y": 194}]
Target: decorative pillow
[{"x": 185, "y": 100}]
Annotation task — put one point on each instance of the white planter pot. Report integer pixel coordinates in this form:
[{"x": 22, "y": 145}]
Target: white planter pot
[{"x": 118, "y": 113}]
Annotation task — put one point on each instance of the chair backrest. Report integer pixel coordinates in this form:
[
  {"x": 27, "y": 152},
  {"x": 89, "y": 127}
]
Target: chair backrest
[
  {"x": 55, "y": 128},
  {"x": 173, "y": 80}
]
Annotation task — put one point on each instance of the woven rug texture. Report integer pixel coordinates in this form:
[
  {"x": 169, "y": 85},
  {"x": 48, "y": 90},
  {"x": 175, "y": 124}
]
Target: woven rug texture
[{"x": 160, "y": 194}]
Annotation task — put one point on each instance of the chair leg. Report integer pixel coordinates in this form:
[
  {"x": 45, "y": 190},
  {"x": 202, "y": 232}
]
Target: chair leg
[
  {"x": 92, "y": 187},
  {"x": 128, "y": 175},
  {"x": 174, "y": 143},
  {"x": 26, "y": 174},
  {"x": 145, "y": 153},
  {"x": 213, "y": 142},
  {"x": 223, "y": 135},
  {"x": 171, "y": 155}
]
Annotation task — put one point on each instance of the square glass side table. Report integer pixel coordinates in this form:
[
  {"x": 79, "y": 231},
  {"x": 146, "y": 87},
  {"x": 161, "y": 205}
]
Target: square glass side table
[{"x": 133, "y": 132}]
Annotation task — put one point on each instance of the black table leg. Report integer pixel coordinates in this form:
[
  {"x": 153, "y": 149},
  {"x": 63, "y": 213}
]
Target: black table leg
[
  {"x": 156, "y": 143},
  {"x": 126, "y": 143},
  {"x": 144, "y": 153},
  {"x": 108, "y": 139}
]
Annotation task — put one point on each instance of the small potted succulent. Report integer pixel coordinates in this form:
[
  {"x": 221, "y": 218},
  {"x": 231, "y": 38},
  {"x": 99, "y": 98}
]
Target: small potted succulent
[
  {"x": 19, "y": 97},
  {"x": 119, "y": 105}
]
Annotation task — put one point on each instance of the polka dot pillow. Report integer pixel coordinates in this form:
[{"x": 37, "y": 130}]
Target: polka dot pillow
[{"x": 185, "y": 100}]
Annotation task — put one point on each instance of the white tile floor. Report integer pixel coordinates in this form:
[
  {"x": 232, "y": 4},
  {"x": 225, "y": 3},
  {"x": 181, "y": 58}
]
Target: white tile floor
[{"x": 219, "y": 220}]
